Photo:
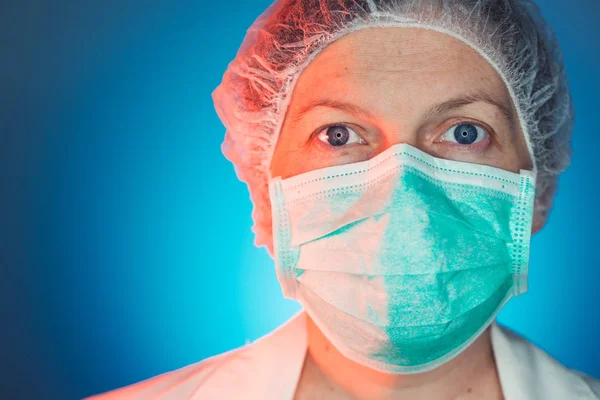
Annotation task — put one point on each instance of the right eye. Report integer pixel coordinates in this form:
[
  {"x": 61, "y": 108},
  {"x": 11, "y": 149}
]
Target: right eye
[
  {"x": 340, "y": 135},
  {"x": 465, "y": 133}
]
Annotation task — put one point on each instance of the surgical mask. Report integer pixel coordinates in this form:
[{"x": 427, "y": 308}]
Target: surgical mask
[{"x": 403, "y": 260}]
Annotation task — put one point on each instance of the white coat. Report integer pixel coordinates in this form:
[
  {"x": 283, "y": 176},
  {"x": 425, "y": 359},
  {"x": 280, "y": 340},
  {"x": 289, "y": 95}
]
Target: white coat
[{"x": 269, "y": 369}]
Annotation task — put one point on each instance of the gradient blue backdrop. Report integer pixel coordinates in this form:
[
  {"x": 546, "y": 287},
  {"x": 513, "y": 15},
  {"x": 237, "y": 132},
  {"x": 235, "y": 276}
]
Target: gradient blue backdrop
[{"x": 125, "y": 248}]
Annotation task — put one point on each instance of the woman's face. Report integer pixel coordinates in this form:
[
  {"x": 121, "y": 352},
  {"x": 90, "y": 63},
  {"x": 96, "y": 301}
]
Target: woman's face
[{"x": 382, "y": 86}]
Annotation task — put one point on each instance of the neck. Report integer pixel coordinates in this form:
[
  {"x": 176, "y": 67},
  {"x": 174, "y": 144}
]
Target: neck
[{"x": 472, "y": 374}]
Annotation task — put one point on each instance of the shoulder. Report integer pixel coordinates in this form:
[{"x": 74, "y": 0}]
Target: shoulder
[
  {"x": 524, "y": 368},
  {"x": 183, "y": 383},
  {"x": 267, "y": 368},
  {"x": 593, "y": 383}
]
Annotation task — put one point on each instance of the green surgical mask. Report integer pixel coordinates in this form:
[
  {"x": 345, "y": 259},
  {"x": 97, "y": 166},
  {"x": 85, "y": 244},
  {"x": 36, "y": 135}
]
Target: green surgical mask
[{"x": 403, "y": 260}]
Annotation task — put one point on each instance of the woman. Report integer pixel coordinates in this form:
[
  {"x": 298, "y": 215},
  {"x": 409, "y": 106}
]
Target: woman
[{"x": 399, "y": 155}]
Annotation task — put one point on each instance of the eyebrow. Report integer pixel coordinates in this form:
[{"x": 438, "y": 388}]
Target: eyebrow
[
  {"x": 440, "y": 108},
  {"x": 461, "y": 101},
  {"x": 340, "y": 105}
]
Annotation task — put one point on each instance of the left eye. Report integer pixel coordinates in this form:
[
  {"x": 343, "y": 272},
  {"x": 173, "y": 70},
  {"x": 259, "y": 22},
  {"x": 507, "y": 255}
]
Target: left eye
[{"x": 465, "y": 134}]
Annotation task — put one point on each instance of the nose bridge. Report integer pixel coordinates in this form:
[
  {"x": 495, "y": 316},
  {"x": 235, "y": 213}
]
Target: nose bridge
[{"x": 399, "y": 130}]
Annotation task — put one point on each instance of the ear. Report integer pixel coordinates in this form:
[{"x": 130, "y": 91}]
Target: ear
[
  {"x": 261, "y": 216},
  {"x": 540, "y": 217},
  {"x": 543, "y": 204}
]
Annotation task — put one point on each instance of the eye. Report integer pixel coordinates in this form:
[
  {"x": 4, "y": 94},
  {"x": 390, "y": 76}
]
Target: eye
[
  {"x": 465, "y": 134},
  {"x": 339, "y": 135}
]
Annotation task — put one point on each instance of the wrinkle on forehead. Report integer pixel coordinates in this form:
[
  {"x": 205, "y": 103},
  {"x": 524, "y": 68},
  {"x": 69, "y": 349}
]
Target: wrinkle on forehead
[{"x": 404, "y": 66}]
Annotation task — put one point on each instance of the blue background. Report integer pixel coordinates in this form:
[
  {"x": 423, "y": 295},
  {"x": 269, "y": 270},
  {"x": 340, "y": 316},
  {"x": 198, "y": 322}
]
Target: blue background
[{"x": 125, "y": 248}]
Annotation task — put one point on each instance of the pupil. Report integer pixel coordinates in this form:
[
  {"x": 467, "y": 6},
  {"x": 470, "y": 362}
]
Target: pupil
[
  {"x": 465, "y": 133},
  {"x": 337, "y": 135}
]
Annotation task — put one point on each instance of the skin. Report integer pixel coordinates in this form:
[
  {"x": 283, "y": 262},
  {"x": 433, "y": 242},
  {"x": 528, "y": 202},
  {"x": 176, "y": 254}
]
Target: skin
[{"x": 390, "y": 86}]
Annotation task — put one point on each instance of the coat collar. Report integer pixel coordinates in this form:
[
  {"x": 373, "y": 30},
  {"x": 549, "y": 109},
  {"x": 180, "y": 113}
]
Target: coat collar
[
  {"x": 526, "y": 372},
  {"x": 270, "y": 368}
]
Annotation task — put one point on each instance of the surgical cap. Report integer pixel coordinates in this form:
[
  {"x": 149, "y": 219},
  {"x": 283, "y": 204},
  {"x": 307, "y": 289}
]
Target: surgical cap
[{"x": 510, "y": 34}]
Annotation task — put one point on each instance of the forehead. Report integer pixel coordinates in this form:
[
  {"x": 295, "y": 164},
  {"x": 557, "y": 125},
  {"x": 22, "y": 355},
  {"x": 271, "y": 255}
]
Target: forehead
[{"x": 397, "y": 69}]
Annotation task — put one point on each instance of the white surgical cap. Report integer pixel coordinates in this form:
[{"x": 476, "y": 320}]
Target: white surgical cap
[{"x": 510, "y": 34}]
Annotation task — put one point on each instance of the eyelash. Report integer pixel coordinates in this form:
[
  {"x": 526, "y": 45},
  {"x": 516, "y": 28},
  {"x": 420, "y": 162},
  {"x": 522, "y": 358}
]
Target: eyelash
[
  {"x": 490, "y": 134},
  {"x": 322, "y": 131}
]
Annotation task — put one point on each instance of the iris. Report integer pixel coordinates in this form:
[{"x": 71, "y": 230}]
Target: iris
[
  {"x": 337, "y": 135},
  {"x": 465, "y": 133}
]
